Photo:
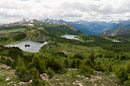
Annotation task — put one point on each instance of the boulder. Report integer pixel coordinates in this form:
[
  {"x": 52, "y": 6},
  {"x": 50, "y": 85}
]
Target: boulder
[
  {"x": 21, "y": 83},
  {"x": 44, "y": 76},
  {"x": 8, "y": 78}
]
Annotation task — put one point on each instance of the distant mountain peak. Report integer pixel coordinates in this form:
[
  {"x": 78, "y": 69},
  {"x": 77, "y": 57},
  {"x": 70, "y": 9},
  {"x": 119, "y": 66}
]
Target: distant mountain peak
[
  {"x": 22, "y": 21},
  {"x": 52, "y": 21}
]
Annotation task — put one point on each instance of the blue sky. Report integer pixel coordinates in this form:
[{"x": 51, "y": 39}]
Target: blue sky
[{"x": 70, "y": 10}]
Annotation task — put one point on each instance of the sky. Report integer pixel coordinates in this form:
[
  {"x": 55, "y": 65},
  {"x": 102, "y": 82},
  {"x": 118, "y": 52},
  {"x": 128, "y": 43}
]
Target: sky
[{"x": 69, "y": 10}]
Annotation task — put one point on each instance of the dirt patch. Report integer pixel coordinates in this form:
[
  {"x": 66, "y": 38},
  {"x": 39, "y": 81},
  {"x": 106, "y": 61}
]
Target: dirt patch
[{"x": 65, "y": 52}]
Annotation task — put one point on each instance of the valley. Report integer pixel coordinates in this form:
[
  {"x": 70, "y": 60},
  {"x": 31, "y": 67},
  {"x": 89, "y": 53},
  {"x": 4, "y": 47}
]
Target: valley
[{"x": 60, "y": 55}]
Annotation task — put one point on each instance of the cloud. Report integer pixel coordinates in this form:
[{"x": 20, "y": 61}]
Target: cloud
[{"x": 70, "y": 10}]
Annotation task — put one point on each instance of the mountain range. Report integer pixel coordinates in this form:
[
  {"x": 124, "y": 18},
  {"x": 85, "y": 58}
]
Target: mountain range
[
  {"x": 86, "y": 27},
  {"x": 93, "y": 28},
  {"x": 120, "y": 28}
]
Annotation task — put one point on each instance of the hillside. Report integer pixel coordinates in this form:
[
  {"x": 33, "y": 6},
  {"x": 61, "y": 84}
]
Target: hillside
[
  {"x": 33, "y": 30},
  {"x": 92, "y": 60},
  {"x": 116, "y": 32}
]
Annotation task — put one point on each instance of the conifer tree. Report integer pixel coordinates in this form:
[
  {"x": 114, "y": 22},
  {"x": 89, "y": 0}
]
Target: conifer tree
[
  {"x": 122, "y": 75},
  {"x": 128, "y": 69},
  {"x": 50, "y": 72},
  {"x": 22, "y": 72},
  {"x": 39, "y": 64},
  {"x": 109, "y": 68},
  {"x": 66, "y": 62},
  {"x": 35, "y": 79}
]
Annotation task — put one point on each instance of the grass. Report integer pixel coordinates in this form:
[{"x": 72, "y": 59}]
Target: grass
[
  {"x": 116, "y": 63},
  {"x": 72, "y": 49},
  {"x": 74, "y": 78},
  {"x": 70, "y": 78},
  {"x": 7, "y": 36},
  {"x": 6, "y": 72},
  {"x": 108, "y": 38},
  {"x": 11, "y": 31}
]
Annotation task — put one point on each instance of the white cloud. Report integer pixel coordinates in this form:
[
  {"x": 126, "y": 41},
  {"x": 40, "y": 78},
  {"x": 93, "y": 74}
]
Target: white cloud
[{"x": 91, "y": 10}]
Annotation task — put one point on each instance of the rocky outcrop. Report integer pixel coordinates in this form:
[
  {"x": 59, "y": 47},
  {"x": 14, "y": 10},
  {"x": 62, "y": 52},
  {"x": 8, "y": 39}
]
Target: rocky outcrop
[{"x": 44, "y": 76}]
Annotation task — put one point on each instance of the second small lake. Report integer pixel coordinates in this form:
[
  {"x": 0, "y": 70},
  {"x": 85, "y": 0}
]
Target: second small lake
[{"x": 71, "y": 37}]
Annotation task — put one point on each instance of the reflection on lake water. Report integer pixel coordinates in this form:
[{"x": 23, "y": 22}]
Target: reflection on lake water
[{"x": 29, "y": 46}]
